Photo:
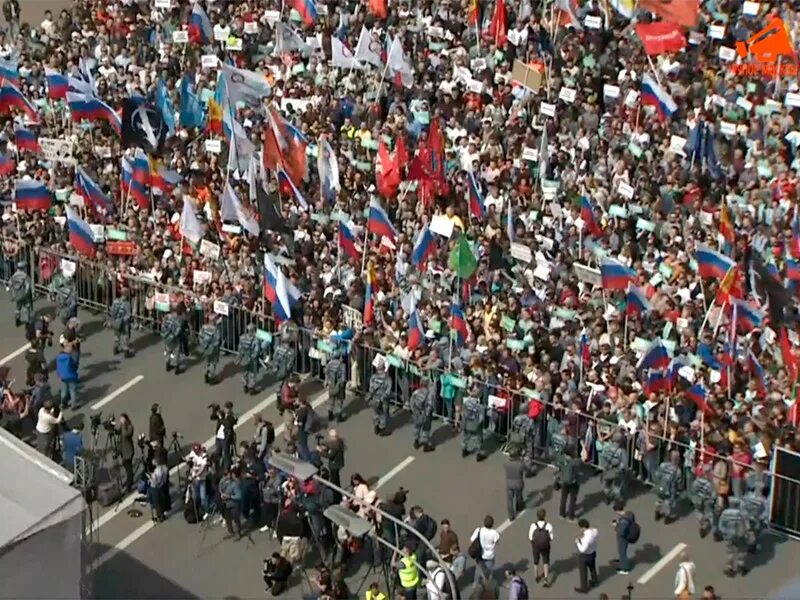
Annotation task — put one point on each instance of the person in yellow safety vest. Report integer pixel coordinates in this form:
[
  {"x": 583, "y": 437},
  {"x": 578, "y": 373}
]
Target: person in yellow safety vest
[
  {"x": 374, "y": 592},
  {"x": 408, "y": 574}
]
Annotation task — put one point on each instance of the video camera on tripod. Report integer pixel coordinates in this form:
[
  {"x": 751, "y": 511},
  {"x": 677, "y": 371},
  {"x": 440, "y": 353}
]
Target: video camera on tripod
[{"x": 109, "y": 424}]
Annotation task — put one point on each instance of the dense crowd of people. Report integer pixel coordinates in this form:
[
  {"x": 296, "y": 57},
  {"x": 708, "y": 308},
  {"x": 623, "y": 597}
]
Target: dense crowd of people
[{"x": 558, "y": 203}]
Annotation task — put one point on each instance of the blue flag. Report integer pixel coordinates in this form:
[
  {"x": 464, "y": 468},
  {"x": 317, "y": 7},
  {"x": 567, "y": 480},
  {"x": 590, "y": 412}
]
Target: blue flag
[
  {"x": 712, "y": 162},
  {"x": 164, "y": 104},
  {"x": 191, "y": 114}
]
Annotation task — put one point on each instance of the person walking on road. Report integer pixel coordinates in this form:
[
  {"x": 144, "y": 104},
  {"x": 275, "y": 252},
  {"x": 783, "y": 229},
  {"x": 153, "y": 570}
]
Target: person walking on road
[
  {"x": 540, "y": 536},
  {"x": 684, "y": 578},
  {"x": 515, "y": 485},
  {"x": 625, "y": 527},
  {"x": 67, "y": 369},
  {"x": 483, "y": 544},
  {"x": 586, "y": 543}
]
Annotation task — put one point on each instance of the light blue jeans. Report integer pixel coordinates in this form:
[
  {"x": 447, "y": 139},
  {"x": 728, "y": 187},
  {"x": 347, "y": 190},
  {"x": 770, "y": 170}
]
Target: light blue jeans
[
  {"x": 69, "y": 394},
  {"x": 484, "y": 570}
]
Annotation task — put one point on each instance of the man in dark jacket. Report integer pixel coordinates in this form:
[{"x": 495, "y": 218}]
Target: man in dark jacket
[
  {"x": 126, "y": 449},
  {"x": 515, "y": 485},
  {"x": 622, "y": 528},
  {"x": 157, "y": 431}
]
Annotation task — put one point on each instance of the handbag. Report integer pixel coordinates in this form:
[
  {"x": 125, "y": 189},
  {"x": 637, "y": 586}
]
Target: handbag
[{"x": 475, "y": 550}]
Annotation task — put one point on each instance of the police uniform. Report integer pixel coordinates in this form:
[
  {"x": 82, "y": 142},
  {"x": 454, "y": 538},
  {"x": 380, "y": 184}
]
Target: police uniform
[
  {"x": 378, "y": 396},
  {"x": 66, "y": 298},
  {"x": 473, "y": 414},
  {"x": 120, "y": 316},
  {"x": 614, "y": 461},
  {"x": 734, "y": 530},
  {"x": 210, "y": 342},
  {"x": 666, "y": 487},
  {"x": 22, "y": 292},
  {"x": 335, "y": 381},
  {"x": 422, "y": 406},
  {"x": 756, "y": 511},
  {"x": 171, "y": 330},
  {"x": 704, "y": 499},
  {"x": 249, "y": 355},
  {"x": 283, "y": 360}
]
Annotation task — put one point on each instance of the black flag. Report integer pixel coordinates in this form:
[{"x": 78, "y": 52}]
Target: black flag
[
  {"x": 268, "y": 214},
  {"x": 143, "y": 126},
  {"x": 779, "y": 299}
]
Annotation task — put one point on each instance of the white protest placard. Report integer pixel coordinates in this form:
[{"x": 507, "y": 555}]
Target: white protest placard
[
  {"x": 727, "y": 128},
  {"x": 163, "y": 4},
  {"x": 531, "y": 154},
  {"x": 475, "y": 86},
  {"x": 744, "y": 103},
  {"x": 437, "y": 32},
  {"x": 727, "y": 54},
  {"x": 209, "y": 61},
  {"x": 442, "y": 225},
  {"x": 76, "y": 200},
  {"x": 201, "y": 277},
  {"x": 234, "y": 44},
  {"x": 696, "y": 38},
  {"x": 61, "y": 151},
  {"x": 103, "y": 151},
  {"x": 68, "y": 267},
  {"x": 567, "y": 95},
  {"x": 625, "y": 190},
  {"x": 213, "y": 146},
  {"x": 98, "y": 232},
  {"x": 631, "y": 98},
  {"x": 716, "y": 32},
  {"x": 588, "y": 274},
  {"x": 352, "y": 318},
  {"x": 221, "y": 308},
  {"x": 272, "y": 17},
  {"x": 513, "y": 36},
  {"x": 751, "y": 8},
  {"x": 792, "y": 99},
  {"x": 220, "y": 35},
  {"x": 548, "y": 109},
  {"x": 677, "y": 144},
  {"x": 610, "y": 91},
  {"x": 180, "y": 37},
  {"x": 209, "y": 249},
  {"x": 477, "y": 64},
  {"x": 521, "y": 252},
  {"x": 231, "y": 228},
  {"x": 593, "y": 22},
  {"x": 251, "y": 27}
]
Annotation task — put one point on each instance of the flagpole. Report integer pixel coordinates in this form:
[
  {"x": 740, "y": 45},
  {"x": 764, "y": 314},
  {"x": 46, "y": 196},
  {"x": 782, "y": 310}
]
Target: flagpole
[
  {"x": 653, "y": 68},
  {"x": 364, "y": 250},
  {"x": 719, "y": 319},
  {"x": 339, "y": 252}
]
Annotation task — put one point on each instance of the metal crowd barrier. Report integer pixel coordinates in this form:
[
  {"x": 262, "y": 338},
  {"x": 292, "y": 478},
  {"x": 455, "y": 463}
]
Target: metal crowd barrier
[{"x": 98, "y": 287}]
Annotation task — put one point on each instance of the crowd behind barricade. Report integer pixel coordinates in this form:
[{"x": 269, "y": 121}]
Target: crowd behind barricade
[{"x": 537, "y": 245}]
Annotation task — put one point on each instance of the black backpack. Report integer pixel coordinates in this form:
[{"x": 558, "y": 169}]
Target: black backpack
[
  {"x": 523, "y": 588},
  {"x": 634, "y": 531},
  {"x": 540, "y": 541}
]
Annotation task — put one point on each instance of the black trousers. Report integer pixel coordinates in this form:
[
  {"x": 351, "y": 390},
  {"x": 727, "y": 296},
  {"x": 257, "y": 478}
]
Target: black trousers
[
  {"x": 127, "y": 465},
  {"x": 587, "y": 568},
  {"x": 568, "y": 492}
]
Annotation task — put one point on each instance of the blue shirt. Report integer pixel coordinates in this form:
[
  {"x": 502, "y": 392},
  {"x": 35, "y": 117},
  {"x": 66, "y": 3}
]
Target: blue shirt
[
  {"x": 72, "y": 442},
  {"x": 67, "y": 366}
]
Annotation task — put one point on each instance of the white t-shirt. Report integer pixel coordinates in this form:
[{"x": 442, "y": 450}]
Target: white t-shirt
[
  {"x": 489, "y": 539},
  {"x": 437, "y": 582}
]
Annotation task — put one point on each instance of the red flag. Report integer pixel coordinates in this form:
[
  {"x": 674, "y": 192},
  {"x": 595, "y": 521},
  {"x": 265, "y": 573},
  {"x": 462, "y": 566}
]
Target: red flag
[
  {"x": 788, "y": 356},
  {"x": 401, "y": 152},
  {"x": 682, "y": 12},
  {"x": 661, "y": 37},
  {"x": 498, "y": 28},
  {"x": 387, "y": 172},
  {"x": 379, "y": 8}
]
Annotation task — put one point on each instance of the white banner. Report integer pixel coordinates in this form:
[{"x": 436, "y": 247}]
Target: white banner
[
  {"x": 58, "y": 150},
  {"x": 352, "y": 318}
]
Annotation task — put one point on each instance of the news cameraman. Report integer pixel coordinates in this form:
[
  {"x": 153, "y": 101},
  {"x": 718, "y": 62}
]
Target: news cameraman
[
  {"x": 332, "y": 450},
  {"x": 47, "y": 423},
  {"x": 225, "y": 432},
  {"x": 127, "y": 450},
  {"x": 156, "y": 430}
]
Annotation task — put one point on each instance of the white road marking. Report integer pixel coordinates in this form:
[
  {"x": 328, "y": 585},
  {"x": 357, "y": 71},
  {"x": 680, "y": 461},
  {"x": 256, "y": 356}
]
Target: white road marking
[
  {"x": 117, "y": 392},
  {"x": 14, "y": 354},
  {"x": 145, "y": 527},
  {"x": 665, "y": 560},
  {"x": 388, "y": 476},
  {"x": 508, "y": 522}
]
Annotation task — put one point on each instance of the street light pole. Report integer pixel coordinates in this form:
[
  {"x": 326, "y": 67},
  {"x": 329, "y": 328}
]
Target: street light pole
[{"x": 303, "y": 471}]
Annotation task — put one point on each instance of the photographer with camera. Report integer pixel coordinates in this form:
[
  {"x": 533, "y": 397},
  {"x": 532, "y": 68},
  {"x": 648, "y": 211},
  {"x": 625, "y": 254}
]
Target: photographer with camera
[
  {"x": 67, "y": 371},
  {"x": 332, "y": 450},
  {"x": 156, "y": 430},
  {"x": 158, "y": 491},
  {"x": 225, "y": 432},
  {"x": 277, "y": 571},
  {"x": 37, "y": 364},
  {"x": 47, "y": 423},
  {"x": 127, "y": 450}
]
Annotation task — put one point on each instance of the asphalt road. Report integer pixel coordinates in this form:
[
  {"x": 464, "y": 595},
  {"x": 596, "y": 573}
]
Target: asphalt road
[{"x": 175, "y": 560}]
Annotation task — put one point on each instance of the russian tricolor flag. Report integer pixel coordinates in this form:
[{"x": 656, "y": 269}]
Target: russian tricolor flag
[
  {"x": 11, "y": 97},
  {"x": 747, "y": 317},
  {"x": 794, "y": 246},
  {"x": 584, "y": 350},
  {"x": 9, "y": 71},
  {"x": 424, "y": 247},
  {"x": 657, "y": 381},
  {"x": 587, "y": 216},
  {"x": 25, "y": 139},
  {"x": 83, "y": 107},
  {"x": 697, "y": 394},
  {"x": 459, "y": 325},
  {"x": 712, "y": 264},
  {"x": 307, "y": 10},
  {"x": 706, "y": 354},
  {"x": 32, "y": 195},
  {"x": 92, "y": 195},
  {"x": 656, "y": 357},
  {"x": 283, "y": 178},
  {"x": 614, "y": 275},
  {"x": 792, "y": 269},
  {"x": 281, "y": 294},
  {"x": 378, "y": 221},
  {"x": 654, "y": 95},
  {"x": 347, "y": 242},
  {"x": 416, "y": 336},
  {"x": 57, "y": 84},
  {"x": 477, "y": 204},
  {"x": 674, "y": 369},
  {"x": 7, "y": 165},
  {"x": 141, "y": 168},
  {"x": 80, "y": 234},
  {"x": 758, "y": 371},
  {"x": 137, "y": 191},
  {"x": 200, "y": 29},
  {"x": 164, "y": 179},
  {"x": 637, "y": 302}
]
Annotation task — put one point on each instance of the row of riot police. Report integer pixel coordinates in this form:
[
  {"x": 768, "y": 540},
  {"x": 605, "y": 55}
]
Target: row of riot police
[{"x": 62, "y": 290}]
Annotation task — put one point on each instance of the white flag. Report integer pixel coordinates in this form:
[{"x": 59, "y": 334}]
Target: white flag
[
  {"x": 398, "y": 63},
  {"x": 288, "y": 40},
  {"x": 342, "y": 56},
  {"x": 231, "y": 209},
  {"x": 245, "y": 86},
  {"x": 190, "y": 226},
  {"x": 368, "y": 50}
]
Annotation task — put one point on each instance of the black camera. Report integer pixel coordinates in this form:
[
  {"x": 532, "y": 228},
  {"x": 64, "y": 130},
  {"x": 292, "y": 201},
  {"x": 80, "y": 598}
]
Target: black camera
[
  {"x": 110, "y": 424},
  {"x": 95, "y": 421},
  {"x": 214, "y": 408},
  {"x": 177, "y": 435},
  {"x": 319, "y": 437},
  {"x": 142, "y": 441}
]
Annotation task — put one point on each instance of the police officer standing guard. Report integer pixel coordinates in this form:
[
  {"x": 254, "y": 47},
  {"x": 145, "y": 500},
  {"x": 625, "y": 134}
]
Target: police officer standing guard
[
  {"x": 422, "y": 406},
  {"x": 283, "y": 360},
  {"x": 704, "y": 499},
  {"x": 666, "y": 479},
  {"x": 249, "y": 355},
  {"x": 22, "y": 292},
  {"x": 335, "y": 381},
  {"x": 66, "y": 297},
  {"x": 120, "y": 317},
  {"x": 378, "y": 395},
  {"x": 171, "y": 331},
  {"x": 210, "y": 343},
  {"x": 733, "y": 529},
  {"x": 614, "y": 462},
  {"x": 474, "y": 413}
]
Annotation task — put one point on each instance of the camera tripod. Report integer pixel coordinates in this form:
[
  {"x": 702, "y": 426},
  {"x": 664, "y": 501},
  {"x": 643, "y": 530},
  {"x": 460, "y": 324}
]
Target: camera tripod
[
  {"x": 175, "y": 448},
  {"x": 111, "y": 443},
  {"x": 376, "y": 547}
]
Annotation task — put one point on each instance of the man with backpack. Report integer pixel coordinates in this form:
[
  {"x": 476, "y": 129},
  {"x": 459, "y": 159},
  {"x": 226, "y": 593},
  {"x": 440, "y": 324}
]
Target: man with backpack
[
  {"x": 517, "y": 588},
  {"x": 628, "y": 532},
  {"x": 540, "y": 535}
]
